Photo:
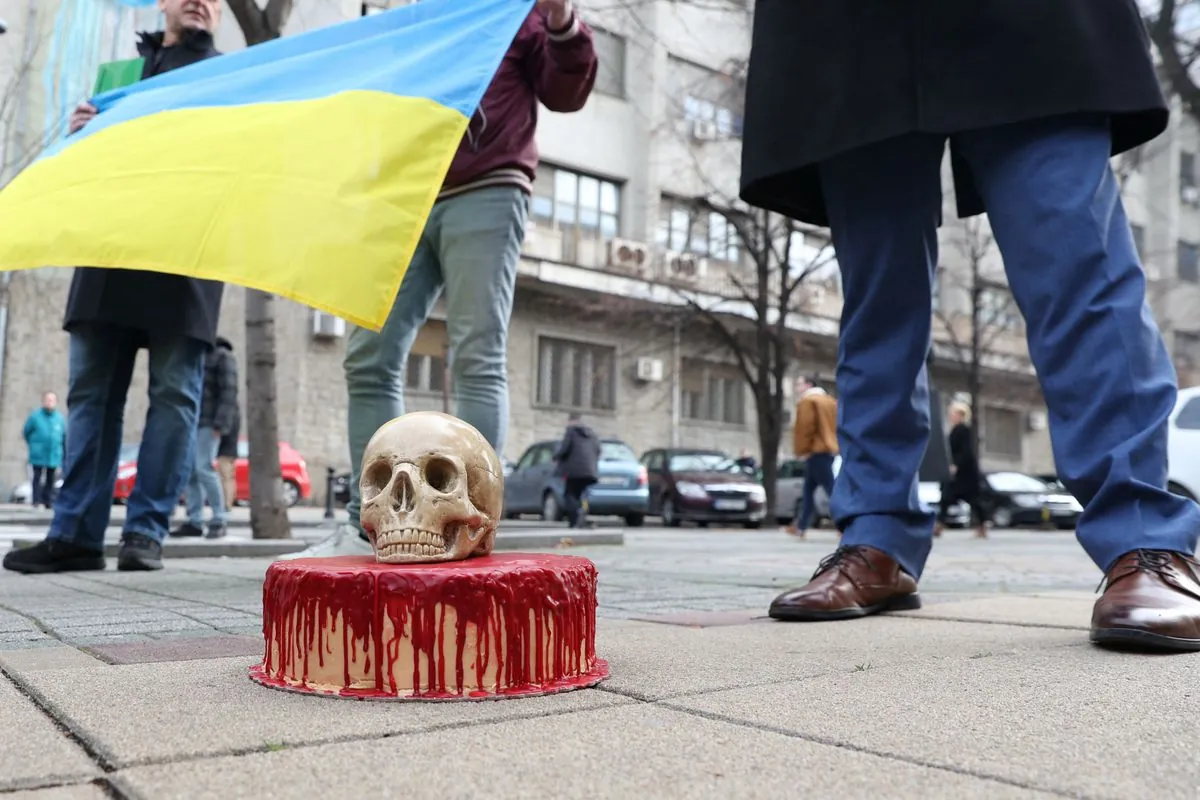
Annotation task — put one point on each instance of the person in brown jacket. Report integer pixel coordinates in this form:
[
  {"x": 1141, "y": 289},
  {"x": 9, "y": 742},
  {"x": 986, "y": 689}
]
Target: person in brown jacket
[{"x": 814, "y": 438}]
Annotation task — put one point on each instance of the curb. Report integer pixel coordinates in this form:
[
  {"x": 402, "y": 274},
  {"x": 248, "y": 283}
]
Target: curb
[{"x": 262, "y": 548}]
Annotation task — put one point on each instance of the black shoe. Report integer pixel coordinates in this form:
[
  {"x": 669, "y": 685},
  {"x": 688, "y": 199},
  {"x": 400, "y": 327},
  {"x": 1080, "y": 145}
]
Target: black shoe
[
  {"x": 52, "y": 555},
  {"x": 139, "y": 553},
  {"x": 187, "y": 529},
  {"x": 216, "y": 532}
]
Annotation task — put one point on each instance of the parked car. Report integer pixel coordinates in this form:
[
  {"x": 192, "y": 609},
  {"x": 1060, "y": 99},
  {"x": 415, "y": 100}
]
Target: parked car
[
  {"x": 341, "y": 483},
  {"x": 1015, "y": 499},
  {"x": 296, "y": 483},
  {"x": 535, "y": 485},
  {"x": 1183, "y": 444},
  {"x": 22, "y": 493},
  {"x": 702, "y": 486},
  {"x": 789, "y": 492}
]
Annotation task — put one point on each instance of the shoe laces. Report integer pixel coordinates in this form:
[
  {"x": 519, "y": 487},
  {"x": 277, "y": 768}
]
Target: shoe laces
[
  {"x": 1154, "y": 562},
  {"x": 845, "y": 556}
]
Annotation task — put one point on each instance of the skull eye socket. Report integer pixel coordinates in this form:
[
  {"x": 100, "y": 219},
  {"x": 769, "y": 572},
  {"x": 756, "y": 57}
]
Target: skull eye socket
[
  {"x": 375, "y": 479},
  {"x": 441, "y": 474}
]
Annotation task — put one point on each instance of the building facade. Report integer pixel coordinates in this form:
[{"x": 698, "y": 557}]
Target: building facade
[{"x": 620, "y": 261}]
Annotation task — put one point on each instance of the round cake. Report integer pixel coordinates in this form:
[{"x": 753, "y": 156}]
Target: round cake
[{"x": 498, "y": 626}]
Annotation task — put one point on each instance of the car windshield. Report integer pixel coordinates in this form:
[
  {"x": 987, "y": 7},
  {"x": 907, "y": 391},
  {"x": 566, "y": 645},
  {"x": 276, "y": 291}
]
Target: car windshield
[
  {"x": 616, "y": 451},
  {"x": 1015, "y": 482},
  {"x": 702, "y": 462},
  {"x": 129, "y": 452}
]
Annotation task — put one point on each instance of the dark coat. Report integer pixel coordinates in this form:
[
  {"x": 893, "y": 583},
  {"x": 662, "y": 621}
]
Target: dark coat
[
  {"x": 219, "y": 400},
  {"x": 967, "y": 475},
  {"x": 828, "y": 76},
  {"x": 578, "y": 454},
  {"x": 152, "y": 302}
]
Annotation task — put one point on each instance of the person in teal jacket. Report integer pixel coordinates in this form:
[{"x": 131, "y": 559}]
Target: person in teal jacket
[{"x": 45, "y": 435}]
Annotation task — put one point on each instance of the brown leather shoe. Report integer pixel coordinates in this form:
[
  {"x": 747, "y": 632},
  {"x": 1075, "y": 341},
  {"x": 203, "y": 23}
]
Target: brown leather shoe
[
  {"x": 1151, "y": 600},
  {"x": 854, "y": 581}
]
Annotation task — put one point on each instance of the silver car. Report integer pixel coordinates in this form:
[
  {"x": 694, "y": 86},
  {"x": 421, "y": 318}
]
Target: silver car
[{"x": 789, "y": 491}]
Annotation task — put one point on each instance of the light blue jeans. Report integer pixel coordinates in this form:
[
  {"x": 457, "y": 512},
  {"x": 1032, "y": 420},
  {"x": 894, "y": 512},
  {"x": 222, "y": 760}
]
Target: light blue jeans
[
  {"x": 470, "y": 249},
  {"x": 204, "y": 482}
]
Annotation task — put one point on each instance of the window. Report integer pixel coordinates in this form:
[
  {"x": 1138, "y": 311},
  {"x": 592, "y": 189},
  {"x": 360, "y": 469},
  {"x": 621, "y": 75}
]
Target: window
[
  {"x": 426, "y": 368},
  {"x": 705, "y": 95},
  {"x": 1188, "y": 418},
  {"x": 1187, "y": 170},
  {"x": 576, "y": 374},
  {"x": 616, "y": 451},
  {"x": 1189, "y": 262},
  {"x": 1187, "y": 348},
  {"x": 1002, "y": 432},
  {"x": 1139, "y": 240},
  {"x": 685, "y": 228},
  {"x": 653, "y": 461},
  {"x": 610, "y": 71},
  {"x": 712, "y": 392},
  {"x": 577, "y": 204}
]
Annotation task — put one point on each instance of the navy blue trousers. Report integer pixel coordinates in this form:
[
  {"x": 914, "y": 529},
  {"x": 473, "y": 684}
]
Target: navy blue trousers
[{"x": 1056, "y": 213}]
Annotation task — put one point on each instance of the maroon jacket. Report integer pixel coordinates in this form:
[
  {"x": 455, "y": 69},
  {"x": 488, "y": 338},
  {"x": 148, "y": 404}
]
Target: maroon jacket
[{"x": 557, "y": 68}]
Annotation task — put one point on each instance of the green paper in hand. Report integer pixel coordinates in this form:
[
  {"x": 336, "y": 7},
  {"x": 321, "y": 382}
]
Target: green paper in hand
[{"x": 115, "y": 74}]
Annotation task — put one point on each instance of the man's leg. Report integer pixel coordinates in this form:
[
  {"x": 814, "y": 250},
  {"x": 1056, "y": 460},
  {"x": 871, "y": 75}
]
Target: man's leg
[
  {"x": 100, "y": 366},
  {"x": 193, "y": 493},
  {"x": 884, "y": 202},
  {"x": 228, "y": 480},
  {"x": 479, "y": 246},
  {"x": 167, "y": 448},
  {"x": 808, "y": 499},
  {"x": 48, "y": 489},
  {"x": 1056, "y": 211},
  {"x": 36, "y": 482},
  {"x": 571, "y": 490},
  {"x": 209, "y": 481}
]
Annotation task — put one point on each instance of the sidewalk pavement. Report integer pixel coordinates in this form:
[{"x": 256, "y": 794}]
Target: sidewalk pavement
[{"x": 134, "y": 685}]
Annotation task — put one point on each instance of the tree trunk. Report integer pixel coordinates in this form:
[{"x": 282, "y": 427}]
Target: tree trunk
[
  {"x": 769, "y": 434},
  {"x": 268, "y": 513}
]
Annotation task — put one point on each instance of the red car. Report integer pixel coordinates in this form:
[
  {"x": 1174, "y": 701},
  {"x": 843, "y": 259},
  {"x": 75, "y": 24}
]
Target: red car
[{"x": 296, "y": 485}]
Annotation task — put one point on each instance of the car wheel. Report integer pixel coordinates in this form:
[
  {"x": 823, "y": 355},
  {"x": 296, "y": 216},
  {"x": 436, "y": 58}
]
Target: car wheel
[
  {"x": 752, "y": 525},
  {"x": 291, "y": 493},
  {"x": 635, "y": 520},
  {"x": 670, "y": 518},
  {"x": 1002, "y": 518},
  {"x": 1065, "y": 525},
  {"x": 550, "y": 510}
]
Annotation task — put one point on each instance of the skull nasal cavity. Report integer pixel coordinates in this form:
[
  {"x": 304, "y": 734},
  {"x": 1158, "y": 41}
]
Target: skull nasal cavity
[
  {"x": 441, "y": 474},
  {"x": 403, "y": 493}
]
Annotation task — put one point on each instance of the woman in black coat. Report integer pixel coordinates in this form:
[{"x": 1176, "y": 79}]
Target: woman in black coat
[{"x": 965, "y": 475}]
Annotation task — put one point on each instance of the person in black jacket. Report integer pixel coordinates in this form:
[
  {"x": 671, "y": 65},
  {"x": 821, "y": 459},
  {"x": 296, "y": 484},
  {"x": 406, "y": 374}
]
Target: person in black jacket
[
  {"x": 965, "y": 475},
  {"x": 218, "y": 412},
  {"x": 578, "y": 458},
  {"x": 112, "y": 314}
]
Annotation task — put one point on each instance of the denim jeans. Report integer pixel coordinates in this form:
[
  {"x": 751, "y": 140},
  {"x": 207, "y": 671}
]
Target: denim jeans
[
  {"x": 1055, "y": 209},
  {"x": 470, "y": 249},
  {"x": 818, "y": 471},
  {"x": 100, "y": 368},
  {"x": 204, "y": 482}
]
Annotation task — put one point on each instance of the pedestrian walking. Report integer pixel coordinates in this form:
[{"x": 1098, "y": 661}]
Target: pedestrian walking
[
  {"x": 965, "y": 484},
  {"x": 578, "y": 459},
  {"x": 218, "y": 410},
  {"x": 814, "y": 438},
  {"x": 1034, "y": 99},
  {"x": 45, "y": 434},
  {"x": 227, "y": 455},
  {"x": 112, "y": 314},
  {"x": 470, "y": 250}
]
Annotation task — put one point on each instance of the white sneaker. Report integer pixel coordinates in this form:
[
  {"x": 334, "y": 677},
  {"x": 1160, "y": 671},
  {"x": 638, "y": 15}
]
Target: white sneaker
[{"x": 344, "y": 541}]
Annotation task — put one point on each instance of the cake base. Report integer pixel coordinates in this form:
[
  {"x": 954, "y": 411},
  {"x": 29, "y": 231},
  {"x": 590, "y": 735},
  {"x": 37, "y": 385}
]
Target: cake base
[{"x": 510, "y": 625}]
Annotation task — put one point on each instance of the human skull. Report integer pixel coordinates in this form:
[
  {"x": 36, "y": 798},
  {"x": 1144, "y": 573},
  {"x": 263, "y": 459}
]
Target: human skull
[{"x": 432, "y": 489}]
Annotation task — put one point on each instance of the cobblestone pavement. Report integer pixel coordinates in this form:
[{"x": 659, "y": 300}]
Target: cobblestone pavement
[{"x": 656, "y": 572}]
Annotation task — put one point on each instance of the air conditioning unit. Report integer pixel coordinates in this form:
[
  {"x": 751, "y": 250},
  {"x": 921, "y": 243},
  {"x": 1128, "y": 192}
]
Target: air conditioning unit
[
  {"x": 1190, "y": 195},
  {"x": 327, "y": 326},
  {"x": 704, "y": 130},
  {"x": 627, "y": 255},
  {"x": 543, "y": 243},
  {"x": 650, "y": 370},
  {"x": 684, "y": 266}
]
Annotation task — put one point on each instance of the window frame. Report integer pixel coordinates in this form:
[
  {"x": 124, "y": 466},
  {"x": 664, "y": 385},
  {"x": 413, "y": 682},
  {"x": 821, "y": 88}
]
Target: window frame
[
  {"x": 543, "y": 395},
  {"x": 619, "y": 75},
  {"x": 547, "y": 177}
]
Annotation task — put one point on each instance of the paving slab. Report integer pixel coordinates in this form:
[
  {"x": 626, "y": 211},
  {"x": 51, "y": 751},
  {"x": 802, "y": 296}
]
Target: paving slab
[
  {"x": 46, "y": 658},
  {"x": 141, "y": 713},
  {"x": 83, "y": 791},
  {"x": 189, "y": 649},
  {"x": 635, "y": 751},
  {"x": 651, "y": 661},
  {"x": 1081, "y": 721},
  {"x": 1059, "y": 611},
  {"x": 35, "y": 751}
]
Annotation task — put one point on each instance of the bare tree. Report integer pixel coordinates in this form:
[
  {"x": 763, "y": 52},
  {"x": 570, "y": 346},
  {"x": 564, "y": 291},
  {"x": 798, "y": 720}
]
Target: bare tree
[{"x": 268, "y": 511}]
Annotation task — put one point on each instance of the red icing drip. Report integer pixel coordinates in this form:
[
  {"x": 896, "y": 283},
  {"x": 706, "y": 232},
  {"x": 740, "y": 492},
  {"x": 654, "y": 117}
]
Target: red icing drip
[{"x": 544, "y": 607}]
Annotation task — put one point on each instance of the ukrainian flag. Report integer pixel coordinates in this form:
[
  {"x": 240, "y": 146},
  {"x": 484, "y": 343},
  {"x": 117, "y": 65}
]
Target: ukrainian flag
[{"x": 305, "y": 167}]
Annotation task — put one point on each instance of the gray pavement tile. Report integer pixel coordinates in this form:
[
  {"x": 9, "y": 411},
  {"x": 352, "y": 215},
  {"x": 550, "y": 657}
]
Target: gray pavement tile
[
  {"x": 627, "y": 752},
  {"x": 108, "y": 639},
  {"x": 651, "y": 661},
  {"x": 35, "y": 751},
  {"x": 1056, "y": 611},
  {"x": 187, "y": 649},
  {"x": 1076, "y": 720},
  {"x": 152, "y": 712},
  {"x": 119, "y": 628},
  {"x": 80, "y": 791},
  {"x": 47, "y": 658}
]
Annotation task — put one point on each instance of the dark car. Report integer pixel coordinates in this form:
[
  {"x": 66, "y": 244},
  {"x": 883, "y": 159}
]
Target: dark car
[
  {"x": 702, "y": 486},
  {"x": 1016, "y": 500},
  {"x": 535, "y": 485}
]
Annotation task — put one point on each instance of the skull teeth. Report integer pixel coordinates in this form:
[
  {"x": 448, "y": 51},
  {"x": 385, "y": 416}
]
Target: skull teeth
[{"x": 410, "y": 542}]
